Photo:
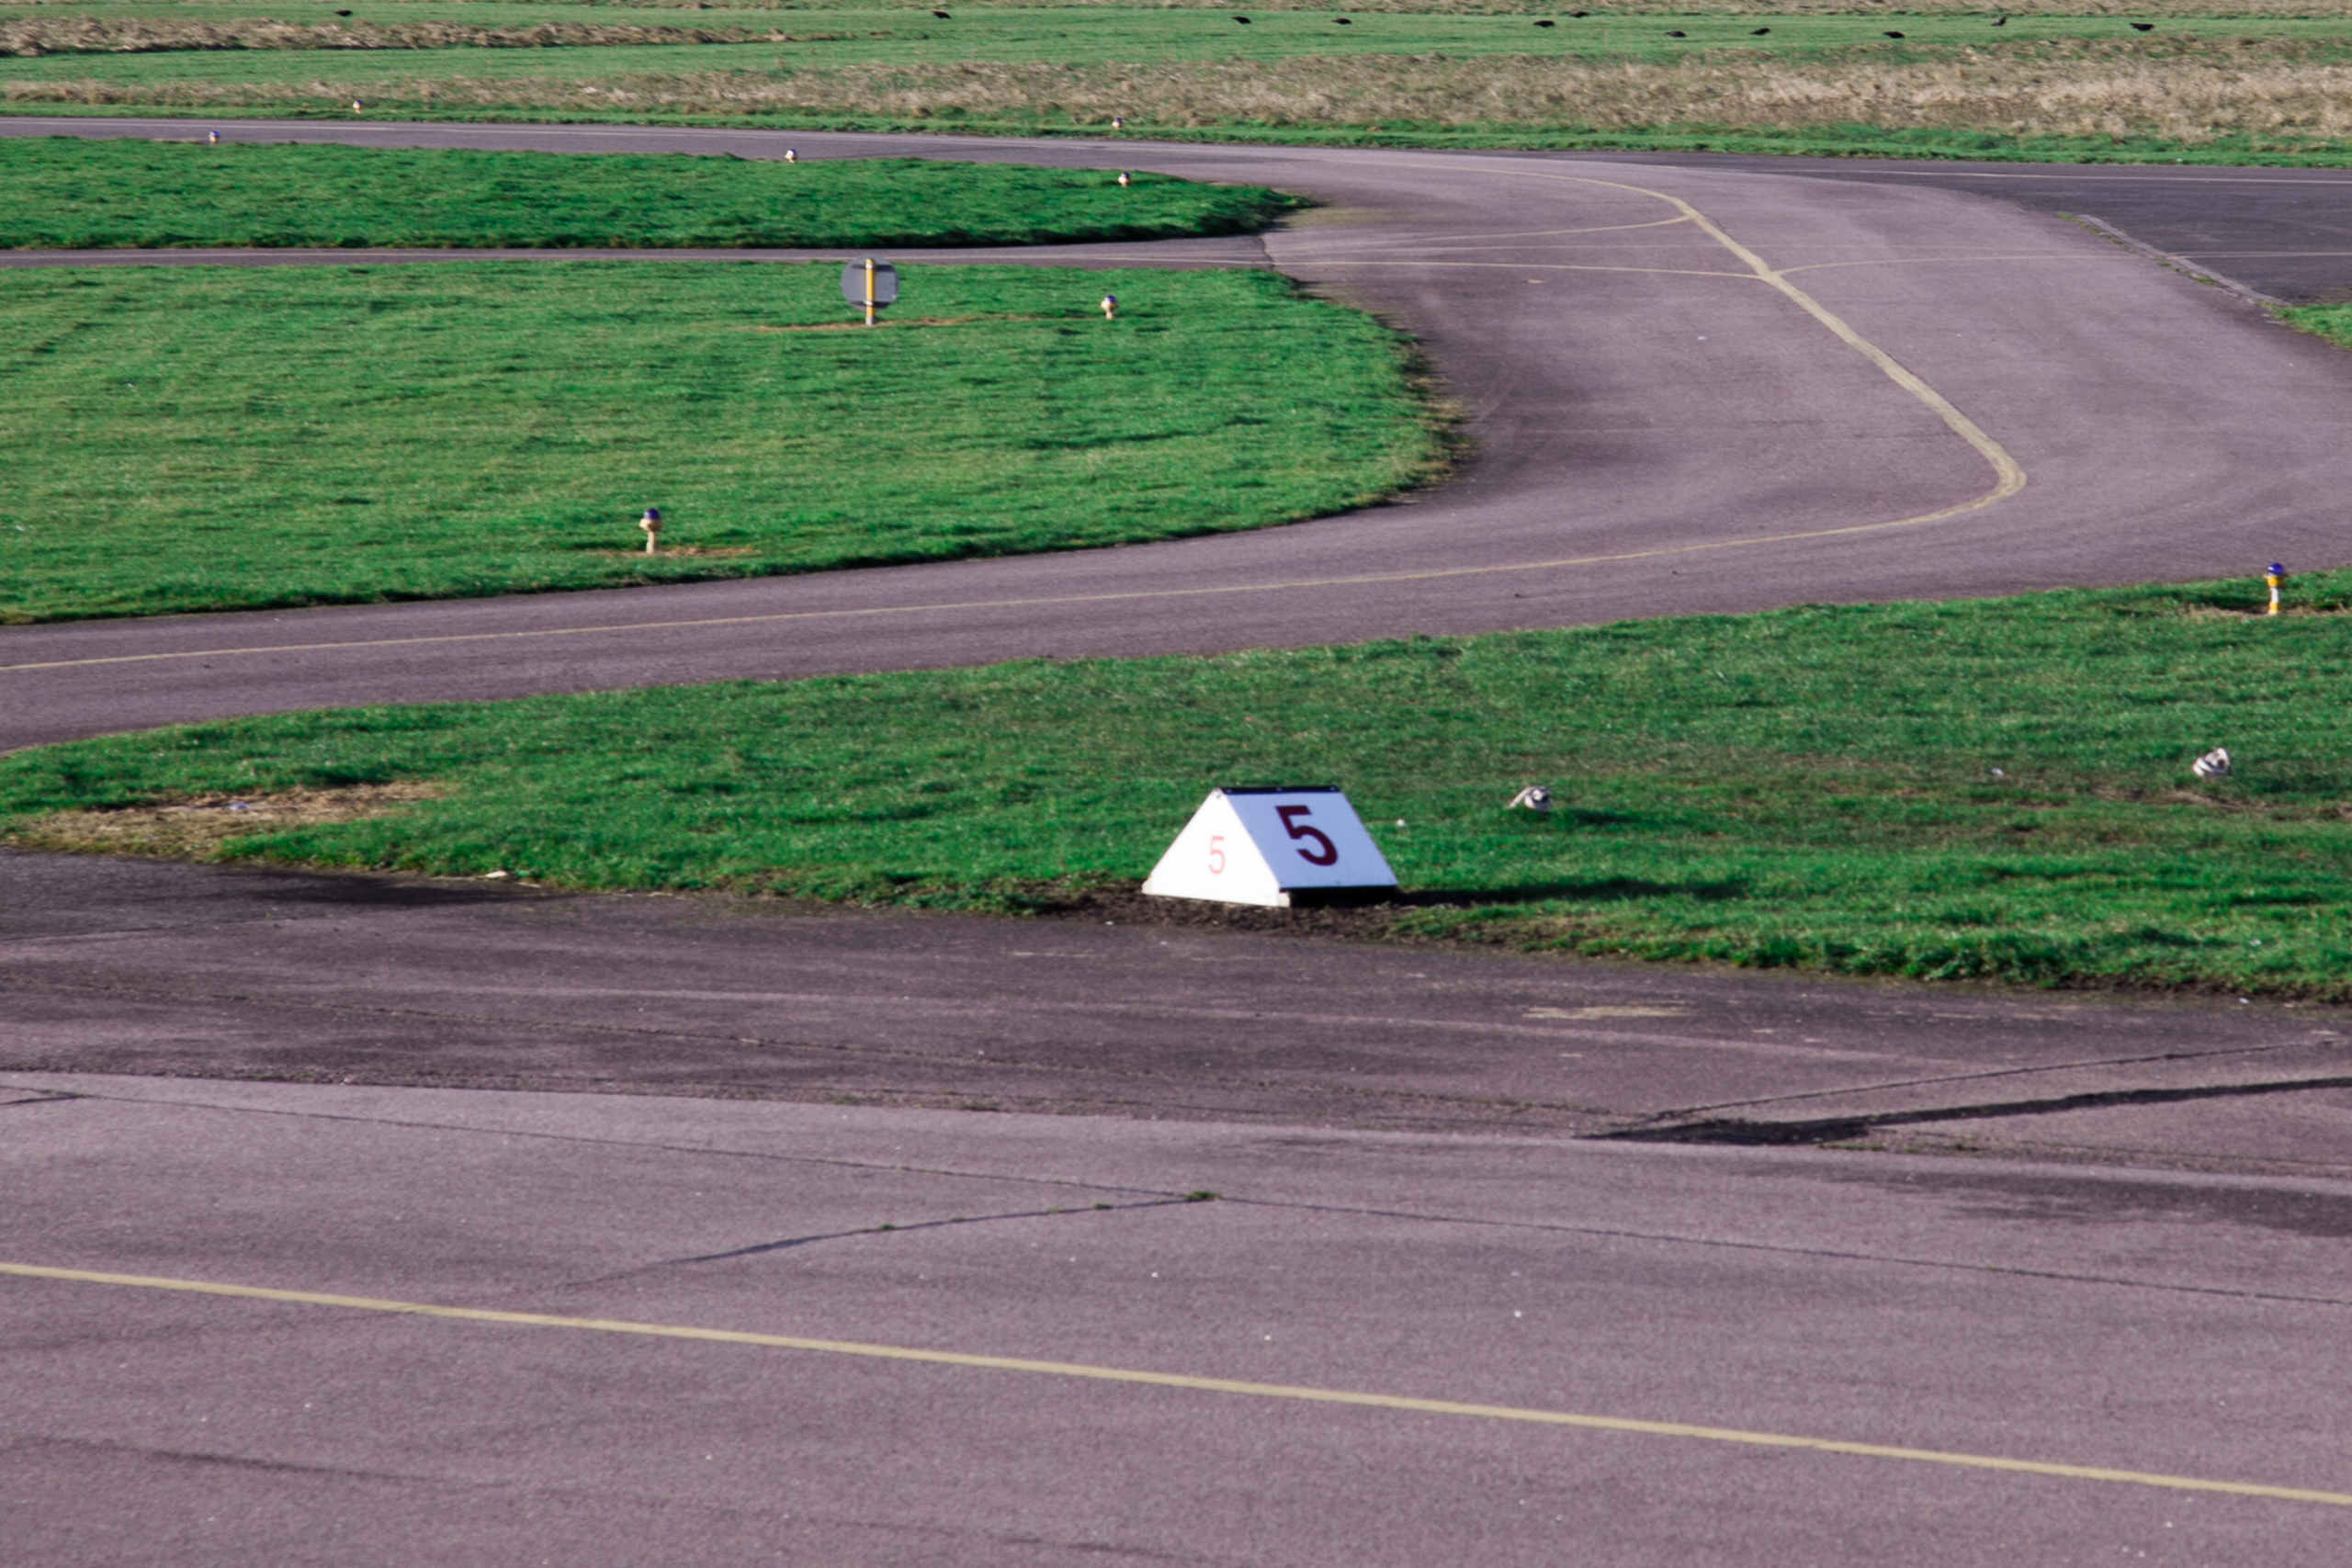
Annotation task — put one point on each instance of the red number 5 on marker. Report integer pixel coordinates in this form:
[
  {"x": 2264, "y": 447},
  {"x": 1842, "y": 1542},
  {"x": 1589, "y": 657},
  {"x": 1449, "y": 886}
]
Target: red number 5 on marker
[
  {"x": 1290, "y": 816},
  {"x": 1217, "y": 854}
]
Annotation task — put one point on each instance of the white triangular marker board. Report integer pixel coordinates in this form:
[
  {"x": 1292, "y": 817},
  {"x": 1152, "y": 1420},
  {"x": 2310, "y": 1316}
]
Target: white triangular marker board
[{"x": 1259, "y": 846}]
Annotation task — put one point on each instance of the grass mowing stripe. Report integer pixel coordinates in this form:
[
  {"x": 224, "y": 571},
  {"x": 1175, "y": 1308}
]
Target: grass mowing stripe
[
  {"x": 211, "y": 438},
  {"x": 1183, "y": 1380},
  {"x": 64, "y": 193},
  {"x": 1994, "y": 789}
]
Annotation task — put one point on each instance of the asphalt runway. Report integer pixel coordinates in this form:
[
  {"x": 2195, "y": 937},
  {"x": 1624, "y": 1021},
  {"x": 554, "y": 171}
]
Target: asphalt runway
[
  {"x": 1693, "y": 389},
  {"x": 1614, "y": 1263},
  {"x": 590, "y": 1330}
]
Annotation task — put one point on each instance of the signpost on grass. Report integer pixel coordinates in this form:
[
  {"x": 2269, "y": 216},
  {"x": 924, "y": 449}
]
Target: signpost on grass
[
  {"x": 870, "y": 283},
  {"x": 1273, "y": 847}
]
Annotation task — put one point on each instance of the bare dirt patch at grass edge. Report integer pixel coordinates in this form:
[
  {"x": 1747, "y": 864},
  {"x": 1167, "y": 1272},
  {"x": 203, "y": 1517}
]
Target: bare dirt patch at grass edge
[{"x": 203, "y": 826}]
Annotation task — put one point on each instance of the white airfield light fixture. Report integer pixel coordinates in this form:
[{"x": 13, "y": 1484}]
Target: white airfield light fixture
[{"x": 1274, "y": 848}]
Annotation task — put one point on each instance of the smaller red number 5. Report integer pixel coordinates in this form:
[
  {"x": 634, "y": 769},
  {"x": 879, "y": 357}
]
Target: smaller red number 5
[
  {"x": 1290, "y": 815},
  {"x": 1216, "y": 855}
]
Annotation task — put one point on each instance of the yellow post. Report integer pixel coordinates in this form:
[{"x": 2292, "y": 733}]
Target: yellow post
[
  {"x": 2277, "y": 578},
  {"x": 870, "y": 291}
]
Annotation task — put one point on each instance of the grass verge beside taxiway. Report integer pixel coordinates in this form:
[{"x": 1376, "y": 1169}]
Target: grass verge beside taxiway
[
  {"x": 2332, "y": 321},
  {"x": 211, "y": 438},
  {"x": 63, "y": 193},
  {"x": 1995, "y": 789}
]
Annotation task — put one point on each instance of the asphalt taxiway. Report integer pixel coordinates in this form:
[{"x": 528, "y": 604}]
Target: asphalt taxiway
[{"x": 359, "y": 1326}]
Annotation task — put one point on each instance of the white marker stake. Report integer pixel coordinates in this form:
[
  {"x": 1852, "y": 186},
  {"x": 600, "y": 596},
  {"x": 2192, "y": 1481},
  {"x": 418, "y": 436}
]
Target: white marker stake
[{"x": 1271, "y": 847}]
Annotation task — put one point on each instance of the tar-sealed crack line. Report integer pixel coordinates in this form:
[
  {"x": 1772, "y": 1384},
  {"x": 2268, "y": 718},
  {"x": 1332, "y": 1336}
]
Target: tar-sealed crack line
[
  {"x": 758, "y": 1248},
  {"x": 1685, "y": 1113},
  {"x": 1837, "y": 1128},
  {"x": 1167, "y": 1195}
]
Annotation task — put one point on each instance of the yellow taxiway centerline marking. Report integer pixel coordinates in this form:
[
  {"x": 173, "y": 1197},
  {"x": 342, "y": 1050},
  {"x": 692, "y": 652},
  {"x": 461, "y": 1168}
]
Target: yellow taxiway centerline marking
[
  {"x": 2010, "y": 479},
  {"x": 1533, "y": 267},
  {"x": 1518, "y": 235},
  {"x": 1369, "y": 579},
  {"x": 1198, "y": 1384}
]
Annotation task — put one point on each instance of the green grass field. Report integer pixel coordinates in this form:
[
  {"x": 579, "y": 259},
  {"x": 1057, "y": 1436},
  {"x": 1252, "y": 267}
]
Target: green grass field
[
  {"x": 204, "y": 438},
  {"x": 64, "y": 193},
  {"x": 1994, "y": 789}
]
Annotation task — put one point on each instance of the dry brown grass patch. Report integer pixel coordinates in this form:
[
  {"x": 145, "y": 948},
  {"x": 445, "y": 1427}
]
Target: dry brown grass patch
[
  {"x": 2189, "y": 91},
  {"x": 198, "y": 826}
]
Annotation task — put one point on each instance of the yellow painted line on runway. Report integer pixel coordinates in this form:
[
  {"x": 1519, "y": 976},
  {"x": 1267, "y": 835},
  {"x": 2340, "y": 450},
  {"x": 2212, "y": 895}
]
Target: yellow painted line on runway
[
  {"x": 2010, "y": 479},
  {"x": 1197, "y": 1385}
]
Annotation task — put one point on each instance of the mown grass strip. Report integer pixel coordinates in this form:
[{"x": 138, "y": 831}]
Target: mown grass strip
[
  {"x": 1995, "y": 789},
  {"x": 65, "y": 192},
  {"x": 205, "y": 438}
]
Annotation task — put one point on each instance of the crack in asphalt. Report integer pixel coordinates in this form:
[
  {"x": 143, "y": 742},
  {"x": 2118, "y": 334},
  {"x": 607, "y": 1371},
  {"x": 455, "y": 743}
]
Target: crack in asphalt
[
  {"x": 198, "y": 1456},
  {"x": 758, "y": 1247},
  {"x": 1166, "y": 1198},
  {"x": 1842, "y": 1129},
  {"x": 1683, "y": 1115}
]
